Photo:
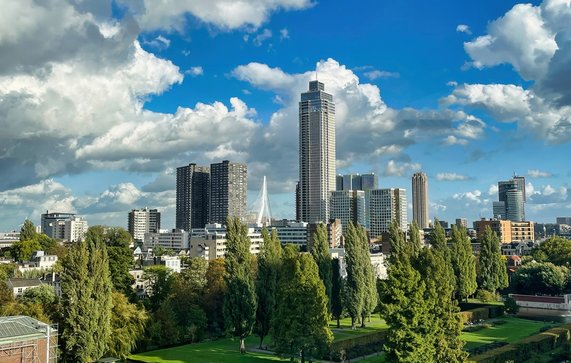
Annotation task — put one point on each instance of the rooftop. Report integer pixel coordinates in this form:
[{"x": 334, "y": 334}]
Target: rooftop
[
  {"x": 14, "y": 328},
  {"x": 16, "y": 282}
]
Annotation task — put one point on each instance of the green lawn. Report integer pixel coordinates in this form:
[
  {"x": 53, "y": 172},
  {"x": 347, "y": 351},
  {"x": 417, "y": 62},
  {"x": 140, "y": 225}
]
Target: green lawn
[
  {"x": 345, "y": 331},
  {"x": 513, "y": 330},
  {"x": 219, "y": 351}
]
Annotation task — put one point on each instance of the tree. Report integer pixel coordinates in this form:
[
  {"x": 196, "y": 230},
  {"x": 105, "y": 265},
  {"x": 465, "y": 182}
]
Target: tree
[
  {"x": 266, "y": 281},
  {"x": 463, "y": 263},
  {"x": 240, "y": 299},
  {"x": 356, "y": 280},
  {"x": 301, "y": 322},
  {"x": 320, "y": 252},
  {"x": 415, "y": 243},
  {"x": 128, "y": 323},
  {"x": 370, "y": 293},
  {"x": 492, "y": 270},
  {"x": 555, "y": 249},
  {"x": 416, "y": 303},
  {"x": 540, "y": 278},
  {"x": 336, "y": 290},
  {"x": 159, "y": 282},
  {"x": 23, "y": 250},
  {"x": 86, "y": 295},
  {"x": 28, "y": 231},
  {"x": 213, "y": 299}
]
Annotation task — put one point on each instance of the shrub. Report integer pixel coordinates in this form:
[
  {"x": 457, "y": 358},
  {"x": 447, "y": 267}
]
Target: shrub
[
  {"x": 356, "y": 347},
  {"x": 486, "y": 296},
  {"x": 511, "y": 306}
]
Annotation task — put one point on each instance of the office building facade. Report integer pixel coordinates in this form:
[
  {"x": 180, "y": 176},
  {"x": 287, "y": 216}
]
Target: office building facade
[
  {"x": 192, "y": 201},
  {"x": 64, "y": 226},
  {"x": 357, "y": 182},
  {"x": 511, "y": 200},
  {"x": 420, "y": 200},
  {"x": 317, "y": 174},
  {"x": 228, "y": 191},
  {"x": 384, "y": 206},
  {"x": 348, "y": 205}
]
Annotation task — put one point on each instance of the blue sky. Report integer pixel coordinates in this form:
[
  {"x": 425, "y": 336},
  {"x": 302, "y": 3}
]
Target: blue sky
[{"x": 101, "y": 100}]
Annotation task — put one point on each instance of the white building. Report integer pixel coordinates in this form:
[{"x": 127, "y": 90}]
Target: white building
[
  {"x": 384, "y": 206},
  {"x": 142, "y": 221},
  {"x": 348, "y": 205},
  {"x": 8, "y": 238},
  {"x": 75, "y": 229},
  {"x": 211, "y": 243},
  {"x": 39, "y": 261},
  {"x": 377, "y": 260},
  {"x": 176, "y": 240},
  {"x": 18, "y": 286}
]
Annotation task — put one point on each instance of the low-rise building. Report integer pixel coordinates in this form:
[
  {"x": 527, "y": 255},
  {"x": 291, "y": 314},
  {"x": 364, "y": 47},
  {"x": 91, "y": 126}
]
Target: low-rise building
[
  {"x": 543, "y": 302},
  {"x": 19, "y": 285},
  {"x": 507, "y": 231},
  {"x": 39, "y": 261},
  {"x": 176, "y": 240},
  {"x": 25, "y": 339},
  {"x": 210, "y": 242},
  {"x": 8, "y": 238}
]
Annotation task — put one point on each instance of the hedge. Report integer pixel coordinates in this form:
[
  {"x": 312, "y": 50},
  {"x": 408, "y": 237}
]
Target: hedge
[
  {"x": 481, "y": 313},
  {"x": 356, "y": 347},
  {"x": 524, "y": 349}
]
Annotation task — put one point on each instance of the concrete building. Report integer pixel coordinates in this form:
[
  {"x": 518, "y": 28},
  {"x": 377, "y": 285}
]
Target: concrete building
[
  {"x": 291, "y": 232},
  {"x": 64, "y": 226},
  {"x": 176, "y": 240},
  {"x": 420, "y": 199},
  {"x": 26, "y": 340},
  {"x": 377, "y": 260},
  {"x": 228, "y": 191},
  {"x": 512, "y": 194},
  {"x": 39, "y": 261},
  {"x": 357, "y": 182},
  {"x": 563, "y": 220},
  {"x": 348, "y": 205},
  {"x": 211, "y": 244},
  {"x": 143, "y": 221},
  {"x": 316, "y": 152},
  {"x": 8, "y": 238},
  {"x": 192, "y": 186},
  {"x": 19, "y": 285},
  {"x": 461, "y": 223},
  {"x": 384, "y": 206},
  {"x": 507, "y": 231}
]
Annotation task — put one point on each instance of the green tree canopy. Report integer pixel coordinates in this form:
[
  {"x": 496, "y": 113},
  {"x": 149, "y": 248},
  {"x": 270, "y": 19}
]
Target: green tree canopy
[
  {"x": 540, "y": 278},
  {"x": 128, "y": 323},
  {"x": 28, "y": 230},
  {"x": 356, "y": 283},
  {"x": 320, "y": 252},
  {"x": 492, "y": 274},
  {"x": 336, "y": 291},
  {"x": 159, "y": 281},
  {"x": 556, "y": 250},
  {"x": 269, "y": 263},
  {"x": 240, "y": 300},
  {"x": 463, "y": 263},
  {"x": 86, "y": 295},
  {"x": 213, "y": 299},
  {"x": 301, "y": 322}
]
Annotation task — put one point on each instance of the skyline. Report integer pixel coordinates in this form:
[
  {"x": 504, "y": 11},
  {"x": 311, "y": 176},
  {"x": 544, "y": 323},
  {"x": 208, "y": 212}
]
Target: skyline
[{"x": 98, "y": 112}]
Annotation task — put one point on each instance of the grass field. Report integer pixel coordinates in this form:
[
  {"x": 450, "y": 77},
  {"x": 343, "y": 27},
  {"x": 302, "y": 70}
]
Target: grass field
[
  {"x": 226, "y": 350},
  {"x": 513, "y": 330},
  {"x": 345, "y": 331}
]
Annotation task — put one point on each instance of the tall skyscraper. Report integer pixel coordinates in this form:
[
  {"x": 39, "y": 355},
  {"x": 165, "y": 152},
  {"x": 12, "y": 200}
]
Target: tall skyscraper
[
  {"x": 316, "y": 152},
  {"x": 420, "y": 199},
  {"x": 228, "y": 191},
  {"x": 348, "y": 205},
  {"x": 511, "y": 199},
  {"x": 384, "y": 206},
  {"x": 143, "y": 221},
  {"x": 192, "y": 184}
]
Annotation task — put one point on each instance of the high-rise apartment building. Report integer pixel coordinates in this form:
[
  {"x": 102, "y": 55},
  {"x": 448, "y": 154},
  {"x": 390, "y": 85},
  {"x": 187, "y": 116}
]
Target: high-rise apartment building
[
  {"x": 228, "y": 191},
  {"x": 143, "y": 221},
  {"x": 316, "y": 152},
  {"x": 563, "y": 220},
  {"x": 64, "y": 226},
  {"x": 357, "y": 182},
  {"x": 384, "y": 206},
  {"x": 420, "y": 200},
  {"x": 192, "y": 186},
  {"x": 348, "y": 205},
  {"x": 511, "y": 199}
]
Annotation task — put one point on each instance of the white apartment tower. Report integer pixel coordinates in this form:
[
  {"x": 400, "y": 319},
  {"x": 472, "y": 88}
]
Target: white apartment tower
[
  {"x": 317, "y": 176},
  {"x": 420, "y": 199}
]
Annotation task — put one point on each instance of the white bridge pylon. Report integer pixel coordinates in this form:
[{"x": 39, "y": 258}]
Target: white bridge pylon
[{"x": 262, "y": 206}]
